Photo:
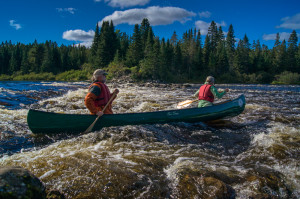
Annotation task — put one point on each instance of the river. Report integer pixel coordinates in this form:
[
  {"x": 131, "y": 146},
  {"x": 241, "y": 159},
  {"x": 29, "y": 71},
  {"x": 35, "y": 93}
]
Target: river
[{"x": 255, "y": 154}]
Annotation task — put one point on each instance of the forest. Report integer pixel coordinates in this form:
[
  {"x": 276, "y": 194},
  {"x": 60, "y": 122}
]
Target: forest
[{"x": 143, "y": 56}]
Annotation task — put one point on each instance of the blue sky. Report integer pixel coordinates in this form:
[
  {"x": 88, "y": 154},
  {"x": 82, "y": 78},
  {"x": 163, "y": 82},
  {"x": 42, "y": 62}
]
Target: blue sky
[{"x": 73, "y": 21}]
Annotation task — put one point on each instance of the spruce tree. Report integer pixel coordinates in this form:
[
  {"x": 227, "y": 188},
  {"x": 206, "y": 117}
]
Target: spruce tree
[
  {"x": 298, "y": 59},
  {"x": 174, "y": 39},
  {"x": 144, "y": 29},
  {"x": 25, "y": 63},
  {"x": 135, "y": 53},
  {"x": 94, "y": 47},
  {"x": 292, "y": 51},
  {"x": 213, "y": 36},
  {"x": 103, "y": 55},
  {"x": 230, "y": 46},
  {"x": 206, "y": 51},
  {"x": 149, "y": 63}
]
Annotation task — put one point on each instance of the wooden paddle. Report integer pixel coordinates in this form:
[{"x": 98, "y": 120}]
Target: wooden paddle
[
  {"x": 185, "y": 103},
  {"x": 93, "y": 124}
]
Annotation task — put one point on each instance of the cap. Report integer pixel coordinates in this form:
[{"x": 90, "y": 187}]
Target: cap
[
  {"x": 210, "y": 79},
  {"x": 99, "y": 72}
]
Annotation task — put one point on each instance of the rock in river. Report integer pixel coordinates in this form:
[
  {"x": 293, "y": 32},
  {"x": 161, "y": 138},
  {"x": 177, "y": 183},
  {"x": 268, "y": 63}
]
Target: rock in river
[{"x": 16, "y": 182}]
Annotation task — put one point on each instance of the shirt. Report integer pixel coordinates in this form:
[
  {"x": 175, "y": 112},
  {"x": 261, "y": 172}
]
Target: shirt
[{"x": 215, "y": 92}]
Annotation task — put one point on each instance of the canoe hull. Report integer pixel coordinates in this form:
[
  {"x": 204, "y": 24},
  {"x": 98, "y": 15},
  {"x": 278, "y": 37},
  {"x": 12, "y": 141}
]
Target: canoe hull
[{"x": 41, "y": 122}]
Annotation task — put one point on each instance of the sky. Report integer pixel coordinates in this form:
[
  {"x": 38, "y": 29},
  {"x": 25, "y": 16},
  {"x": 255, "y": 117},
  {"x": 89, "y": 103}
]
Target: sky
[{"x": 71, "y": 22}]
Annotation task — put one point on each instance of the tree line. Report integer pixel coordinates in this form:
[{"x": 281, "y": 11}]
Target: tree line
[{"x": 145, "y": 56}]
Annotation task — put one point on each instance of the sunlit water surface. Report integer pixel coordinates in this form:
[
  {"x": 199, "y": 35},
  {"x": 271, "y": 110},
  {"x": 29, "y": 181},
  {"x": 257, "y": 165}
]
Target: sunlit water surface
[{"x": 255, "y": 154}]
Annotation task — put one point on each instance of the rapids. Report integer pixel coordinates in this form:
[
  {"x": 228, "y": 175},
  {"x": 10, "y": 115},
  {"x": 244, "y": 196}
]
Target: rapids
[{"x": 255, "y": 154}]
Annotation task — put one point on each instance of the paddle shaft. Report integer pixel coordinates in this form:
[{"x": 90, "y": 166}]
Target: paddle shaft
[{"x": 93, "y": 124}]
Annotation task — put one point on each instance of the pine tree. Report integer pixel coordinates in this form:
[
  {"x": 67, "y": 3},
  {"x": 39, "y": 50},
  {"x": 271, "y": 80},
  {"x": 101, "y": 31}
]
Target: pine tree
[
  {"x": 25, "y": 63},
  {"x": 267, "y": 59},
  {"x": 177, "y": 61},
  {"x": 174, "y": 39},
  {"x": 103, "y": 55},
  {"x": 47, "y": 64},
  {"x": 6, "y": 55},
  {"x": 94, "y": 46},
  {"x": 298, "y": 59},
  {"x": 199, "y": 56},
  {"x": 15, "y": 60},
  {"x": 213, "y": 36},
  {"x": 124, "y": 44},
  {"x": 144, "y": 29},
  {"x": 164, "y": 72},
  {"x": 242, "y": 58},
  {"x": 279, "y": 57},
  {"x": 230, "y": 46},
  {"x": 221, "y": 66},
  {"x": 206, "y": 51},
  {"x": 135, "y": 53},
  {"x": 292, "y": 51},
  {"x": 149, "y": 64},
  {"x": 35, "y": 57}
]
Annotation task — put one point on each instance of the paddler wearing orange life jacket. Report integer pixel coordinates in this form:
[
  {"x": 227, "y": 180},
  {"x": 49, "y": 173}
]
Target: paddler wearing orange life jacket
[
  {"x": 208, "y": 92},
  {"x": 99, "y": 94}
]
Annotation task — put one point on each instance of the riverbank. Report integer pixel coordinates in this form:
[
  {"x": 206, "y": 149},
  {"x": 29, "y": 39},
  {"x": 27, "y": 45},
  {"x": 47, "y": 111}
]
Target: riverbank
[{"x": 285, "y": 78}]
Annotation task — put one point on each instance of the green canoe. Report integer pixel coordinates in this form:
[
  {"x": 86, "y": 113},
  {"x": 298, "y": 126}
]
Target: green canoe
[{"x": 41, "y": 122}]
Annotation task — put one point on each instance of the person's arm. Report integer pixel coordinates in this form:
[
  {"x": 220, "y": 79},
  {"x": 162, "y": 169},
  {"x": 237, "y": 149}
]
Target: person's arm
[
  {"x": 90, "y": 98},
  {"x": 197, "y": 93},
  {"x": 216, "y": 93}
]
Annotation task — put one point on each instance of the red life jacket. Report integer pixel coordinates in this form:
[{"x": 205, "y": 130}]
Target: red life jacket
[
  {"x": 104, "y": 96},
  {"x": 205, "y": 93}
]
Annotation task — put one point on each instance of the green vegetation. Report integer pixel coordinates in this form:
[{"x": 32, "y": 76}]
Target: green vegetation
[
  {"x": 287, "y": 78},
  {"x": 145, "y": 57}
]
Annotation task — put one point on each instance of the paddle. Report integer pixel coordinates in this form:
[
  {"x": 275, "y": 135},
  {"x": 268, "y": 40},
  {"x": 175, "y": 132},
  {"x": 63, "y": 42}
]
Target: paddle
[
  {"x": 93, "y": 124},
  {"x": 185, "y": 103}
]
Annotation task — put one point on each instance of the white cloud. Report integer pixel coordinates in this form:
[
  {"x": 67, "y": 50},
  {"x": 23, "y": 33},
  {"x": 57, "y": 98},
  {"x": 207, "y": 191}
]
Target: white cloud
[
  {"x": 282, "y": 35},
  {"x": 15, "y": 25},
  {"x": 69, "y": 10},
  {"x": 203, "y": 26},
  {"x": 290, "y": 22},
  {"x": 125, "y": 3},
  {"x": 205, "y": 14},
  {"x": 155, "y": 14},
  {"x": 86, "y": 44},
  {"x": 79, "y": 35}
]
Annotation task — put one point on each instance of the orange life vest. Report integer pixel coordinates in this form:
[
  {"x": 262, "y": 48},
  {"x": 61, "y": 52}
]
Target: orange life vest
[
  {"x": 205, "y": 93},
  {"x": 104, "y": 96}
]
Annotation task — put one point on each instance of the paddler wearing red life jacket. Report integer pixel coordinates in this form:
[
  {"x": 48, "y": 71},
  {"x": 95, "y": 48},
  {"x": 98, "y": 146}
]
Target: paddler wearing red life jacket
[
  {"x": 99, "y": 94},
  {"x": 208, "y": 92}
]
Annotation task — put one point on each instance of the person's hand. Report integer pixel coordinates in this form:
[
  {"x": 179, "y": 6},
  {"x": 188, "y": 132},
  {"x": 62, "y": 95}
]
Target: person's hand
[
  {"x": 99, "y": 113},
  {"x": 227, "y": 90},
  {"x": 116, "y": 91}
]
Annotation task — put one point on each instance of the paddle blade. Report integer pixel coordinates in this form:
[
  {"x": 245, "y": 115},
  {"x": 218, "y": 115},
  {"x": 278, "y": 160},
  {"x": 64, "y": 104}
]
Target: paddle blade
[
  {"x": 88, "y": 130},
  {"x": 185, "y": 103}
]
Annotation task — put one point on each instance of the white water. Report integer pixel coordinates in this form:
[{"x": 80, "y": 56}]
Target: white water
[{"x": 247, "y": 152}]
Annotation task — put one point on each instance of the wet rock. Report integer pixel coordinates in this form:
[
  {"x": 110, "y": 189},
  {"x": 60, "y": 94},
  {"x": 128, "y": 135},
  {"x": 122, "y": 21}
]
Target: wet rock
[
  {"x": 16, "y": 182},
  {"x": 196, "y": 185},
  {"x": 268, "y": 184}
]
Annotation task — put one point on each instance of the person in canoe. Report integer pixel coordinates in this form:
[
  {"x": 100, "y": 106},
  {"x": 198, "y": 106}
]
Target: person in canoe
[
  {"x": 208, "y": 92},
  {"x": 99, "y": 94}
]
